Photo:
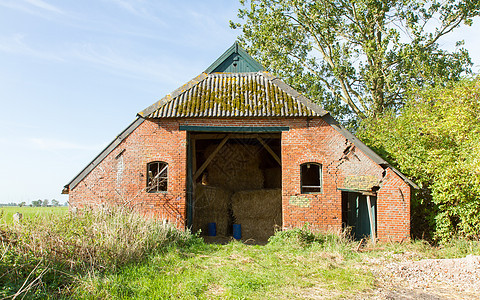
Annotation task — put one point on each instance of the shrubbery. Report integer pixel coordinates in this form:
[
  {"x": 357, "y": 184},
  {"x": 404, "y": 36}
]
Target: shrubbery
[
  {"x": 45, "y": 254},
  {"x": 436, "y": 141}
]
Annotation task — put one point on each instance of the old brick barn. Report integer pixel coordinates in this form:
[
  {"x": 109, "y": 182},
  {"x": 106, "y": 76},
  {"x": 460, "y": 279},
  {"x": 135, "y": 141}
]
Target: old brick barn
[{"x": 236, "y": 145}]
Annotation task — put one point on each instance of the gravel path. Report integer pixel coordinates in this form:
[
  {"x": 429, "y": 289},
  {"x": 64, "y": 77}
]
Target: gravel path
[{"x": 405, "y": 278}]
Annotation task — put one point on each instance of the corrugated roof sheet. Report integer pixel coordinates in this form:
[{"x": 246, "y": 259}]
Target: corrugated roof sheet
[{"x": 236, "y": 95}]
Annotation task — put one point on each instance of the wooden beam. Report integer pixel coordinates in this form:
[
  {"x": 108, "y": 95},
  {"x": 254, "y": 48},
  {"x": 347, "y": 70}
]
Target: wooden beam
[
  {"x": 214, "y": 136},
  {"x": 230, "y": 129},
  {"x": 210, "y": 158},
  {"x": 194, "y": 155},
  {"x": 370, "y": 217},
  {"x": 275, "y": 156}
]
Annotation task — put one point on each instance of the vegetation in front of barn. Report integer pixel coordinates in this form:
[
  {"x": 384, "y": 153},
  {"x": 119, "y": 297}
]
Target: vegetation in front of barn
[
  {"x": 46, "y": 256},
  {"x": 118, "y": 254},
  {"x": 113, "y": 254},
  {"x": 292, "y": 265}
]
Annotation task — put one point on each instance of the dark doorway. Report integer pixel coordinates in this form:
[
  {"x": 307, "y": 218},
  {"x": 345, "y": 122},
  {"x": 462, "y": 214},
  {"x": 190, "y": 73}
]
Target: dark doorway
[
  {"x": 356, "y": 215},
  {"x": 235, "y": 179}
]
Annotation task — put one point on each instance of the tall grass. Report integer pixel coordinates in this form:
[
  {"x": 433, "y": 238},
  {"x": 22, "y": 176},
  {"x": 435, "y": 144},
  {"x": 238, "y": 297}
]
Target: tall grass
[
  {"x": 295, "y": 264},
  {"x": 117, "y": 254},
  {"x": 54, "y": 250}
]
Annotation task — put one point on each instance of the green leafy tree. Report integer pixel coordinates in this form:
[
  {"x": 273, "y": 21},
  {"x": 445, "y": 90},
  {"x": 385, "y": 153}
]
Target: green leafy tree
[
  {"x": 22, "y": 204},
  {"x": 356, "y": 57},
  {"x": 436, "y": 141},
  {"x": 55, "y": 202},
  {"x": 45, "y": 203},
  {"x": 37, "y": 203}
]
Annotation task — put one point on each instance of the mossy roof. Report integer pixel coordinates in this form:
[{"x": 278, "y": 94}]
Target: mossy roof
[{"x": 253, "y": 94}]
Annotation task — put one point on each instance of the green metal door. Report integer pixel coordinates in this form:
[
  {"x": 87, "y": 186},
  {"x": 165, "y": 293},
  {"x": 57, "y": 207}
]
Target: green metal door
[{"x": 358, "y": 216}]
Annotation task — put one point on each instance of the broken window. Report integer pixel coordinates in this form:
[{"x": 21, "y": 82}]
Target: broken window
[
  {"x": 157, "y": 177},
  {"x": 311, "y": 178}
]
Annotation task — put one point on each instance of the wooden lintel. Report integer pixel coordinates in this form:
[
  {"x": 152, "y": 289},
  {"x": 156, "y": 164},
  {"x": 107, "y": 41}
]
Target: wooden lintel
[
  {"x": 267, "y": 147},
  {"x": 210, "y": 158},
  {"x": 210, "y": 136},
  {"x": 370, "y": 217},
  {"x": 214, "y": 136}
]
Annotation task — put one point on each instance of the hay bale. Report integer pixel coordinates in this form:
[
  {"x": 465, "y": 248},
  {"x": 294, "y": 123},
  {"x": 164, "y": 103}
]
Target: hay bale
[
  {"x": 258, "y": 211},
  {"x": 260, "y": 204},
  {"x": 212, "y": 204},
  {"x": 258, "y": 230},
  {"x": 235, "y": 167},
  {"x": 273, "y": 178}
]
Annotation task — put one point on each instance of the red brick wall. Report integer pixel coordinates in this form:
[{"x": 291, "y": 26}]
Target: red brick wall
[
  {"x": 122, "y": 179},
  {"x": 151, "y": 141},
  {"x": 321, "y": 143},
  {"x": 393, "y": 208}
]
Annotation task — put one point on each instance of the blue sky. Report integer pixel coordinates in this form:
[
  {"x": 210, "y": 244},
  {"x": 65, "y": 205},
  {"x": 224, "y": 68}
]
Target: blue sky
[{"x": 73, "y": 75}]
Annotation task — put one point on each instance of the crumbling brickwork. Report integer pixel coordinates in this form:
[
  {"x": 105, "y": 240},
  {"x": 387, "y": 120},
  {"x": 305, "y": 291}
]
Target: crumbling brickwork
[{"x": 121, "y": 177}]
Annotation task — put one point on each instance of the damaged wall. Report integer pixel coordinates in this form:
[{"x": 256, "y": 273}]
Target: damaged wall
[{"x": 344, "y": 166}]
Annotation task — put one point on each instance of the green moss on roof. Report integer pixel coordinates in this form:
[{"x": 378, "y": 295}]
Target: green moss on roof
[{"x": 237, "y": 96}]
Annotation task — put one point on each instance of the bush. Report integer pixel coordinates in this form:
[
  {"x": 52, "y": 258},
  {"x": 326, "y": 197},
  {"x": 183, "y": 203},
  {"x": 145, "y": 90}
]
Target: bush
[
  {"x": 58, "y": 248},
  {"x": 436, "y": 141}
]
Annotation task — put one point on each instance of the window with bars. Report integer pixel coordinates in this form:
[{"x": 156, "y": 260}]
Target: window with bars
[
  {"x": 157, "y": 176},
  {"x": 311, "y": 178}
]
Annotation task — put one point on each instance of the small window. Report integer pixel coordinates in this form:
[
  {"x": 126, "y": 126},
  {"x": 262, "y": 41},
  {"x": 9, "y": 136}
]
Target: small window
[
  {"x": 157, "y": 177},
  {"x": 311, "y": 178}
]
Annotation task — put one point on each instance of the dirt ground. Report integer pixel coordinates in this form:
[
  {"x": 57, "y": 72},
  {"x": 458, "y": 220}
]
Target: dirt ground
[{"x": 402, "y": 277}]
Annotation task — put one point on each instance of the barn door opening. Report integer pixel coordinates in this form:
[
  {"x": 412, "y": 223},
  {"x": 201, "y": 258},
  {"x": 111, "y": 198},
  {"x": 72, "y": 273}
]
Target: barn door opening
[
  {"x": 358, "y": 215},
  {"x": 235, "y": 178}
]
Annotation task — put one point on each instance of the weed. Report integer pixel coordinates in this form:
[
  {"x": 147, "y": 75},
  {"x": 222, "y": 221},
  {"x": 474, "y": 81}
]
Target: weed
[
  {"x": 115, "y": 254},
  {"x": 63, "y": 247}
]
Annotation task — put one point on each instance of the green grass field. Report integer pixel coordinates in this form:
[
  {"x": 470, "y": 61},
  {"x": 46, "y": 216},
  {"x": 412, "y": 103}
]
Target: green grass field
[
  {"x": 6, "y": 212},
  {"x": 119, "y": 254}
]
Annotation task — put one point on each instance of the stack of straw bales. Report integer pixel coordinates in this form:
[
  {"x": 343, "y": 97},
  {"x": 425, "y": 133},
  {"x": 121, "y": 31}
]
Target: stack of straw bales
[
  {"x": 235, "y": 167},
  {"x": 211, "y": 205},
  {"x": 258, "y": 211}
]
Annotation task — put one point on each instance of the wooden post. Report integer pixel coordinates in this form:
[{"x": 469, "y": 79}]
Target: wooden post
[
  {"x": 194, "y": 154},
  {"x": 370, "y": 216}
]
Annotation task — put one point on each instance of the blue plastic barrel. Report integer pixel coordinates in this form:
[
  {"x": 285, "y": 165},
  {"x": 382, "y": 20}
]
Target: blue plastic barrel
[
  {"x": 212, "y": 229},
  {"x": 237, "y": 231}
]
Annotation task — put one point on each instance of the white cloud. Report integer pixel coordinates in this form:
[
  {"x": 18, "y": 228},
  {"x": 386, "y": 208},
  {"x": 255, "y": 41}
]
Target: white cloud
[
  {"x": 43, "y": 5},
  {"x": 139, "y": 9},
  {"x": 55, "y": 144},
  {"x": 16, "y": 44},
  {"x": 131, "y": 66},
  {"x": 35, "y": 7}
]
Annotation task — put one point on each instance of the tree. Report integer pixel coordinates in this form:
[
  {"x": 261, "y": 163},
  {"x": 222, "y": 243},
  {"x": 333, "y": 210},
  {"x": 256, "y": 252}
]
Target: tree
[
  {"x": 21, "y": 204},
  {"x": 436, "y": 141},
  {"x": 55, "y": 202},
  {"x": 45, "y": 203},
  {"x": 356, "y": 57},
  {"x": 37, "y": 203}
]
